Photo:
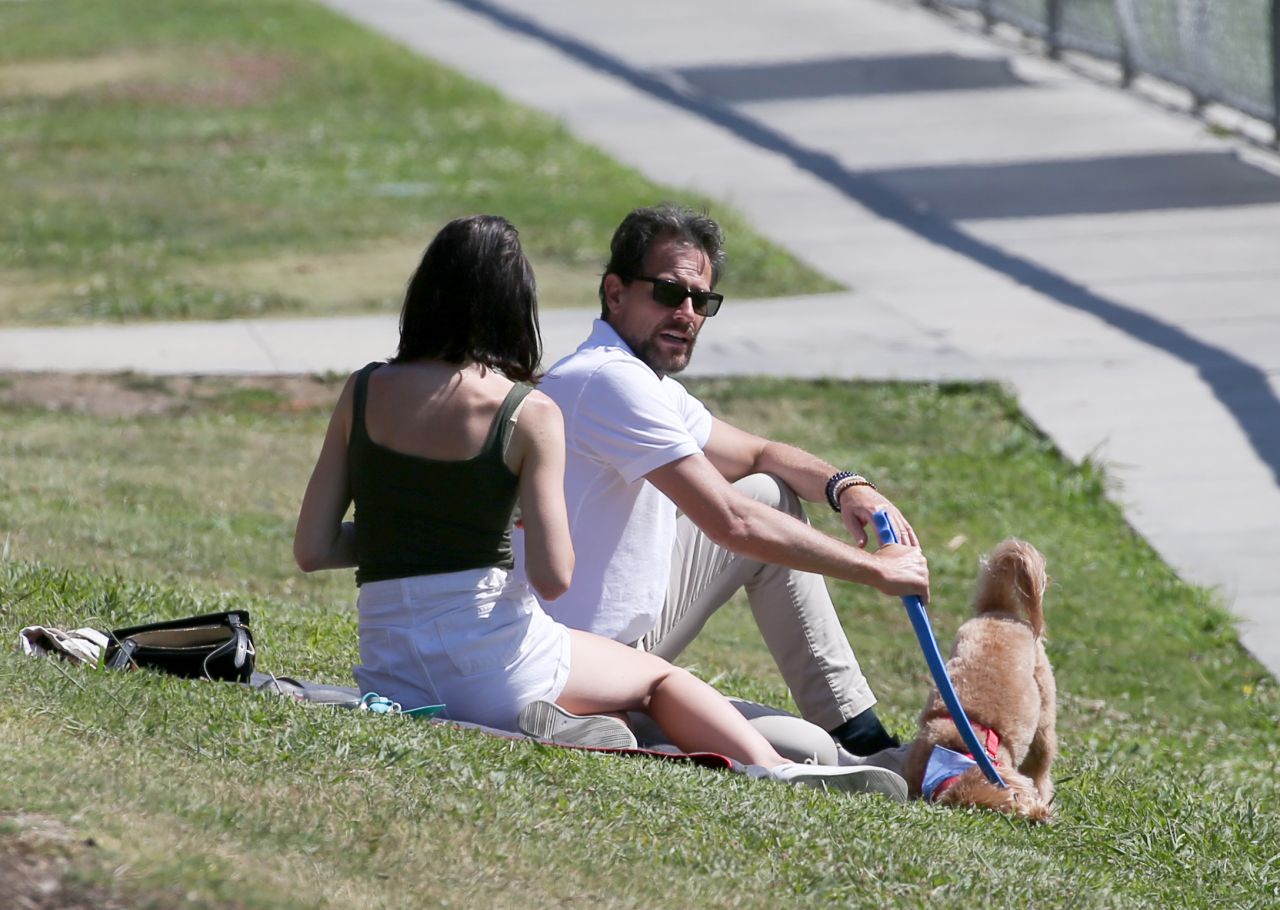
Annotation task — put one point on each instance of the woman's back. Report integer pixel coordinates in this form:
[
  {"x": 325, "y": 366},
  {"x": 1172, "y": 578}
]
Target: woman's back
[
  {"x": 432, "y": 489},
  {"x": 433, "y": 410}
]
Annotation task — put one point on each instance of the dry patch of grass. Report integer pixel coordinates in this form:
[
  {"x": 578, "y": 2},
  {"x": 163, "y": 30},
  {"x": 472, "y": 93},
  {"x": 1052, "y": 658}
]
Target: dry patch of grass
[
  {"x": 373, "y": 277},
  {"x": 127, "y": 395},
  {"x": 60, "y": 78},
  {"x": 26, "y": 299},
  {"x": 212, "y": 81},
  {"x": 166, "y": 77},
  {"x": 560, "y": 285},
  {"x": 370, "y": 278}
]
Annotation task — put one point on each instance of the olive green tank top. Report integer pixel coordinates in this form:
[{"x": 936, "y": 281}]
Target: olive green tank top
[{"x": 420, "y": 516}]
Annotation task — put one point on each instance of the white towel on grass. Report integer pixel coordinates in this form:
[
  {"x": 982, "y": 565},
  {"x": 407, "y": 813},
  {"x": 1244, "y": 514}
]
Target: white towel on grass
[{"x": 83, "y": 646}]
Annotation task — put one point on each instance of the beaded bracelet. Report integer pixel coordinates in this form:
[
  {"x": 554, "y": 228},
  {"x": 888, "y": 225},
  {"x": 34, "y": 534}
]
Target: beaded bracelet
[{"x": 841, "y": 481}]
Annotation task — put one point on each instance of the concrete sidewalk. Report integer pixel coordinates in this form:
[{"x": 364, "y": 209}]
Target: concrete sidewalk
[{"x": 998, "y": 216}]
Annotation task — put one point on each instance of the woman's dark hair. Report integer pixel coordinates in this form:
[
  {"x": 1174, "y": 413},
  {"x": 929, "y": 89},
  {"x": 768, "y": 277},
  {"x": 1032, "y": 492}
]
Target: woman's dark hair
[
  {"x": 474, "y": 298},
  {"x": 644, "y": 226}
]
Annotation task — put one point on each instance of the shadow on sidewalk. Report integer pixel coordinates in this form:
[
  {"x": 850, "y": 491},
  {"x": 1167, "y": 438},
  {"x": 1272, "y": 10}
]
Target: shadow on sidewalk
[{"x": 1242, "y": 388}]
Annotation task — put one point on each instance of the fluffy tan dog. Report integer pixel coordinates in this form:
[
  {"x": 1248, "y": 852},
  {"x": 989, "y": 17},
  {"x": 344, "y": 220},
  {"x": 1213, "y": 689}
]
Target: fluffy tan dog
[{"x": 1003, "y": 679}]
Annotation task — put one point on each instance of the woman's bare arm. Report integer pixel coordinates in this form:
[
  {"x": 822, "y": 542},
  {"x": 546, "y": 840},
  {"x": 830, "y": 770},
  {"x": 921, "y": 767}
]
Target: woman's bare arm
[
  {"x": 322, "y": 540},
  {"x": 537, "y": 455}
]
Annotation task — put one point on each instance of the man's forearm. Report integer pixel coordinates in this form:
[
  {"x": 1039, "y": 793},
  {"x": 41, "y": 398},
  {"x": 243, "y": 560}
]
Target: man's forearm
[
  {"x": 768, "y": 535},
  {"x": 810, "y": 477},
  {"x": 755, "y": 530},
  {"x": 805, "y": 473}
]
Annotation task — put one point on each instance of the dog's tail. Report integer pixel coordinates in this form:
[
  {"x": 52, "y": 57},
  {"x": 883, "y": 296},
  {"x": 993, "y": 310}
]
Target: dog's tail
[{"x": 1013, "y": 581}]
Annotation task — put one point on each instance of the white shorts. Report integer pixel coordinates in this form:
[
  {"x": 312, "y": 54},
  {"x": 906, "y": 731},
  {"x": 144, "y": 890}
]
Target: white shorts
[{"x": 476, "y": 641}]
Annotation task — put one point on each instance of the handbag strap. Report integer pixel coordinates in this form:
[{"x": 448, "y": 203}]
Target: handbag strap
[
  {"x": 240, "y": 641},
  {"x": 122, "y": 657}
]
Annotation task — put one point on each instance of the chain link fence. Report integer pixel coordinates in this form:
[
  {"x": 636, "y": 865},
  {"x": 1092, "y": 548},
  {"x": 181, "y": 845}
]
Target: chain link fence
[{"x": 1224, "y": 51}]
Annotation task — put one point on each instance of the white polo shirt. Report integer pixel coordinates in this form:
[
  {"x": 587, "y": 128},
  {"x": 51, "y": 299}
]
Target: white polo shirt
[{"x": 621, "y": 422}]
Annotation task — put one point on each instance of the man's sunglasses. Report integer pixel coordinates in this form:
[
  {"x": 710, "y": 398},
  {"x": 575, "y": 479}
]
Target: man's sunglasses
[{"x": 670, "y": 294}]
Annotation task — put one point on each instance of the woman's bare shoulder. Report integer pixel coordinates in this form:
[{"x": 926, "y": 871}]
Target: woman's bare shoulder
[
  {"x": 539, "y": 427},
  {"x": 539, "y": 407}
]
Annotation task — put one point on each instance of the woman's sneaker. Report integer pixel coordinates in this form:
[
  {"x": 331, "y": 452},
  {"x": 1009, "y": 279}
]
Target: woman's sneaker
[
  {"x": 550, "y": 723},
  {"x": 849, "y": 779}
]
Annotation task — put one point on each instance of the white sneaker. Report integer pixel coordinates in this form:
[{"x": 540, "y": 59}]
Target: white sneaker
[
  {"x": 892, "y": 758},
  {"x": 849, "y": 779},
  {"x": 548, "y": 722}
]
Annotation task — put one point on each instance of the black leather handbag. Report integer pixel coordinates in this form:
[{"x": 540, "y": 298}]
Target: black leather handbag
[{"x": 213, "y": 646}]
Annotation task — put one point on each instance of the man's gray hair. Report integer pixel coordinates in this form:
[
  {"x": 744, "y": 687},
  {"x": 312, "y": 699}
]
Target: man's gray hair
[{"x": 645, "y": 226}]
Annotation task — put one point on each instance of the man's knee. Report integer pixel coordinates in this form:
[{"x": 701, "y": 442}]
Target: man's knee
[
  {"x": 794, "y": 738},
  {"x": 772, "y": 491}
]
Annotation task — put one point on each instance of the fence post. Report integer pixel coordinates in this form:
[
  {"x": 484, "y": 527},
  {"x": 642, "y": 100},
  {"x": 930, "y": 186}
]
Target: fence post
[
  {"x": 1127, "y": 70},
  {"x": 1275, "y": 73},
  {"x": 1054, "y": 26}
]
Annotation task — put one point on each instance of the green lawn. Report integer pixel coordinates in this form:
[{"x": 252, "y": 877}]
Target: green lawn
[
  {"x": 217, "y": 158},
  {"x": 206, "y": 159},
  {"x": 207, "y": 795}
]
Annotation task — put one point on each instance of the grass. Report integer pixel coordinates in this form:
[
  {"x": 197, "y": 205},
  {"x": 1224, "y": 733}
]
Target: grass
[
  {"x": 206, "y": 159},
  {"x": 211, "y": 796},
  {"x": 219, "y": 158}
]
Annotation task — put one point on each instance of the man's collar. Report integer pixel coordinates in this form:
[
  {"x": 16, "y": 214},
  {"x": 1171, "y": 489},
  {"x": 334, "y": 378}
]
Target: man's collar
[{"x": 604, "y": 335}]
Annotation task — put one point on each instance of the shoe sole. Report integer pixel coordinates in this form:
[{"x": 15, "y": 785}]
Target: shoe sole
[
  {"x": 550, "y": 723},
  {"x": 859, "y": 779}
]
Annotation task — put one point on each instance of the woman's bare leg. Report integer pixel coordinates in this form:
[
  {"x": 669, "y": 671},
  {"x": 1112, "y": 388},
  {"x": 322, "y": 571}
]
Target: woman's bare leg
[{"x": 605, "y": 676}]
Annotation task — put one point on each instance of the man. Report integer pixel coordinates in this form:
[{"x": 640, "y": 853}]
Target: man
[{"x": 640, "y": 447}]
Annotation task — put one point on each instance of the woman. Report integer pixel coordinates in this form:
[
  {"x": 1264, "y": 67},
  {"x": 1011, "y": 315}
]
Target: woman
[{"x": 436, "y": 448}]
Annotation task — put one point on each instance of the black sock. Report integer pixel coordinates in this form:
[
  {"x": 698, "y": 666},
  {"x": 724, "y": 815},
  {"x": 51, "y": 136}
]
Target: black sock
[{"x": 864, "y": 734}]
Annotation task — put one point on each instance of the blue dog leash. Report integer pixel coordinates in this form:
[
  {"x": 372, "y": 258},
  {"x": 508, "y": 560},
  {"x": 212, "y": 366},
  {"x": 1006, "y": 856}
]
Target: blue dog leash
[{"x": 933, "y": 657}]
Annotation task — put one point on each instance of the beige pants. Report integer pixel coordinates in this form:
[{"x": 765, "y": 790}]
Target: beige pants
[{"x": 792, "y": 609}]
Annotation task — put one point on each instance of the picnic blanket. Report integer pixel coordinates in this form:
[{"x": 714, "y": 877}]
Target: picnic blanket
[
  {"x": 85, "y": 646},
  {"x": 351, "y": 697}
]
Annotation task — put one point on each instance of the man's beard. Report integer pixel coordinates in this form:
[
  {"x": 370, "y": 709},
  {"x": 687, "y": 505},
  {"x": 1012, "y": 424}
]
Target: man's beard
[{"x": 661, "y": 362}]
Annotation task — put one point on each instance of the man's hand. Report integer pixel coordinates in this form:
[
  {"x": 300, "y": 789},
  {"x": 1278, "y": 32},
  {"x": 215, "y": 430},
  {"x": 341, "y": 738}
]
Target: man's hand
[
  {"x": 858, "y": 504},
  {"x": 903, "y": 570}
]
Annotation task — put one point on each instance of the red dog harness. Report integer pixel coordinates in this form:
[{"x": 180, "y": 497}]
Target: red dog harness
[{"x": 992, "y": 746}]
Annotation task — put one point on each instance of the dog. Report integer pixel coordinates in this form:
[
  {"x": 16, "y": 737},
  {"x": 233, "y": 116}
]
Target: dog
[{"x": 1004, "y": 681}]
